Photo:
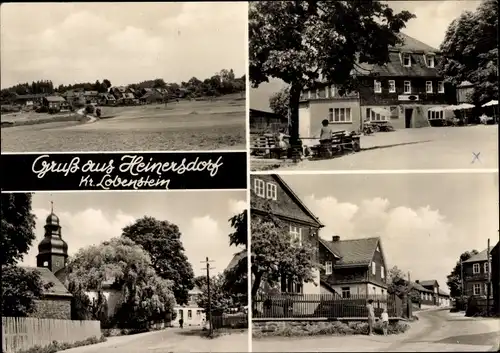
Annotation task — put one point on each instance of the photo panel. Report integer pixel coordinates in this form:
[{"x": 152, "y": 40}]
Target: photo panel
[
  {"x": 125, "y": 271},
  {"x": 327, "y": 94},
  {"x": 379, "y": 262}
]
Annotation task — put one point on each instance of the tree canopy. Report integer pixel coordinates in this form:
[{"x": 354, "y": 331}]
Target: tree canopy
[
  {"x": 454, "y": 281},
  {"x": 279, "y": 102},
  {"x": 275, "y": 255},
  {"x": 145, "y": 296},
  {"x": 17, "y": 226},
  {"x": 220, "y": 301},
  {"x": 162, "y": 241},
  {"x": 300, "y": 42},
  {"x": 470, "y": 51}
]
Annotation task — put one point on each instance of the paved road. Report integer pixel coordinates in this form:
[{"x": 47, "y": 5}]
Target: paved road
[
  {"x": 424, "y": 148},
  {"x": 436, "y": 331},
  {"x": 169, "y": 340}
]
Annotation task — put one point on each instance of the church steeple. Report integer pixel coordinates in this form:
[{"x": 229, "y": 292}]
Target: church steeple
[{"x": 52, "y": 250}]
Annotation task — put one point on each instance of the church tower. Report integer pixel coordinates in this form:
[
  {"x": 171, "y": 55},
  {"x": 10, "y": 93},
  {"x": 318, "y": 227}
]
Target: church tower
[{"x": 52, "y": 250}]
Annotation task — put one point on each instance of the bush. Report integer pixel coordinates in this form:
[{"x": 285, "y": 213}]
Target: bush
[
  {"x": 89, "y": 109},
  {"x": 59, "y": 346}
]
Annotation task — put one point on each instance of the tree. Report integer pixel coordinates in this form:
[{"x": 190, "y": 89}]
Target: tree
[
  {"x": 162, "y": 241},
  {"x": 20, "y": 290},
  {"x": 300, "y": 42},
  {"x": 279, "y": 102},
  {"x": 145, "y": 296},
  {"x": 106, "y": 83},
  {"x": 470, "y": 51},
  {"x": 454, "y": 281},
  {"x": 399, "y": 285},
  {"x": 274, "y": 255},
  {"x": 17, "y": 227},
  {"x": 220, "y": 301}
]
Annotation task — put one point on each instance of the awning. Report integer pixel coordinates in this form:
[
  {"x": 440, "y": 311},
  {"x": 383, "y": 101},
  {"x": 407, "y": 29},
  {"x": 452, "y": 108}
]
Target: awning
[
  {"x": 451, "y": 107},
  {"x": 437, "y": 109},
  {"x": 381, "y": 111},
  {"x": 490, "y": 103},
  {"x": 465, "y": 106}
]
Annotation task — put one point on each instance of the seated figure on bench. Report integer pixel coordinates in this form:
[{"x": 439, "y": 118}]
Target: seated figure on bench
[
  {"x": 282, "y": 138},
  {"x": 325, "y": 140}
]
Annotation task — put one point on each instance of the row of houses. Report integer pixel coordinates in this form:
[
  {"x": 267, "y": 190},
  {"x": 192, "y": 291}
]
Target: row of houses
[
  {"x": 349, "y": 267},
  {"x": 115, "y": 95},
  {"x": 407, "y": 92}
]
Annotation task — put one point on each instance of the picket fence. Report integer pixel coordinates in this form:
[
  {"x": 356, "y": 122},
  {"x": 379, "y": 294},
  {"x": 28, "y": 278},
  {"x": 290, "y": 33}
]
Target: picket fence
[{"x": 21, "y": 333}]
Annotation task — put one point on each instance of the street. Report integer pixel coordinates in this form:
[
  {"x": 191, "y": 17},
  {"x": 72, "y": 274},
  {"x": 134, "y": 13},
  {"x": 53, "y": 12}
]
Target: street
[
  {"x": 465, "y": 147},
  {"x": 435, "y": 331},
  {"x": 169, "y": 340}
]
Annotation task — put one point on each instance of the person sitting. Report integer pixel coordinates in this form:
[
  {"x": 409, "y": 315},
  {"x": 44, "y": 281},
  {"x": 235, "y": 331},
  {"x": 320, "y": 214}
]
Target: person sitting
[{"x": 325, "y": 139}]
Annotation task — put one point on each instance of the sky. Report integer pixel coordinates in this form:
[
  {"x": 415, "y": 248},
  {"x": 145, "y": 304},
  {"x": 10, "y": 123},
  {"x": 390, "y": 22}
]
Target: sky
[
  {"x": 91, "y": 218},
  {"x": 425, "y": 221},
  {"x": 123, "y": 42},
  {"x": 433, "y": 18}
]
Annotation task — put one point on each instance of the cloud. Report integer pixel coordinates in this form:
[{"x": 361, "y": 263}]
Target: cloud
[
  {"x": 88, "y": 227},
  {"x": 204, "y": 237},
  {"x": 418, "y": 240},
  {"x": 237, "y": 206}
]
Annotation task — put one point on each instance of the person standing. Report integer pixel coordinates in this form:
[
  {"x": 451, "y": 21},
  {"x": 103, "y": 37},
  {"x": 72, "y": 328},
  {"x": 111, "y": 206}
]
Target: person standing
[
  {"x": 371, "y": 316},
  {"x": 325, "y": 139},
  {"x": 181, "y": 322},
  {"x": 385, "y": 321}
]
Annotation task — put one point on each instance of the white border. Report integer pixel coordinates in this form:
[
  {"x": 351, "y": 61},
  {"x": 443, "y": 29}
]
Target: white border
[
  {"x": 140, "y": 190},
  {"x": 371, "y": 171},
  {"x": 128, "y": 152}
]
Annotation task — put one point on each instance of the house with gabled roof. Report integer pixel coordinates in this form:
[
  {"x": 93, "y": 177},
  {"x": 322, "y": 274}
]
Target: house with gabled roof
[
  {"x": 476, "y": 274},
  {"x": 353, "y": 266},
  {"x": 401, "y": 92},
  {"x": 270, "y": 194}
]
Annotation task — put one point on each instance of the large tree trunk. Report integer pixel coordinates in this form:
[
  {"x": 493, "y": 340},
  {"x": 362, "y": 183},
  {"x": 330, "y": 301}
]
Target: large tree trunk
[
  {"x": 295, "y": 90},
  {"x": 256, "y": 283}
]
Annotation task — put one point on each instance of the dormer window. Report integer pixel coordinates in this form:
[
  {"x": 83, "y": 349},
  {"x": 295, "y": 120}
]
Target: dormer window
[
  {"x": 406, "y": 60},
  {"x": 377, "y": 86},
  {"x": 430, "y": 61}
]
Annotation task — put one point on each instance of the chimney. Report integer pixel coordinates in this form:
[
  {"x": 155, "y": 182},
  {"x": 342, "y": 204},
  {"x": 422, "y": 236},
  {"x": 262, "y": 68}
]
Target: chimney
[{"x": 335, "y": 238}]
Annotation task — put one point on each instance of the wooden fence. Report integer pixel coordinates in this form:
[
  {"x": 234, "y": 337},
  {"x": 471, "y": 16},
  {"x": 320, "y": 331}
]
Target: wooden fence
[
  {"x": 232, "y": 321},
  {"x": 324, "y": 306},
  {"x": 21, "y": 333}
]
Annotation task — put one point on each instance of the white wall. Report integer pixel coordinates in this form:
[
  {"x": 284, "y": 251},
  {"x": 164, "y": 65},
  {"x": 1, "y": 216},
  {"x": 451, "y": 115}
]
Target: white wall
[
  {"x": 112, "y": 297},
  {"x": 305, "y": 123},
  {"x": 356, "y": 289},
  {"x": 312, "y": 287},
  {"x": 198, "y": 317}
]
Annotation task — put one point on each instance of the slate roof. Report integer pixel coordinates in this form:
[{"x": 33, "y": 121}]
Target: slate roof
[
  {"x": 353, "y": 252},
  {"x": 57, "y": 289},
  {"x": 419, "y": 287},
  {"x": 55, "y": 99},
  {"x": 482, "y": 256},
  {"x": 236, "y": 259},
  {"x": 411, "y": 44}
]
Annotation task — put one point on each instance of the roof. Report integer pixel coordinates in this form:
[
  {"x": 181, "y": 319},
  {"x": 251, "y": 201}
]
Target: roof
[
  {"x": 410, "y": 44},
  {"x": 55, "y": 99},
  {"x": 128, "y": 95},
  {"x": 303, "y": 214},
  {"x": 254, "y": 113},
  {"x": 482, "y": 256},
  {"x": 195, "y": 290},
  {"x": 353, "y": 252},
  {"x": 426, "y": 283},
  {"x": 419, "y": 287},
  {"x": 236, "y": 259},
  {"x": 91, "y": 93},
  {"x": 443, "y": 293},
  {"x": 149, "y": 94},
  {"x": 47, "y": 276},
  {"x": 31, "y": 96},
  {"x": 465, "y": 84}
]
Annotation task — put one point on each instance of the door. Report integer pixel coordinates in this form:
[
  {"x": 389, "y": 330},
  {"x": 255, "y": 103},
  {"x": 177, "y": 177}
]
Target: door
[{"x": 408, "y": 114}]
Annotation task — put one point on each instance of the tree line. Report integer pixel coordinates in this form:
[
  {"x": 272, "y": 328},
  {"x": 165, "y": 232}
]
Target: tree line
[
  {"x": 221, "y": 83},
  {"x": 146, "y": 264}
]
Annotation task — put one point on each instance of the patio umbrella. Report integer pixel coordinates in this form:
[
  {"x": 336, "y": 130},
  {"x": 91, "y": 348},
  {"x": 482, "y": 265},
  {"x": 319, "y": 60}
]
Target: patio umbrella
[
  {"x": 437, "y": 109},
  {"x": 451, "y": 107},
  {"x": 491, "y": 103},
  {"x": 466, "y": 106}
]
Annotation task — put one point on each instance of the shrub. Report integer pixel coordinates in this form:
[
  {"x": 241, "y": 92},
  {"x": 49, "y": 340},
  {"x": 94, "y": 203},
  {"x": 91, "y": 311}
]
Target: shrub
[
  {"x": 59, "y": 346},
  {"x": 89, "y": 109}
]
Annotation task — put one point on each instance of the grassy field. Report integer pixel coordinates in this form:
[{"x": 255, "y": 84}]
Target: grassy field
[{"x": 185, "y": 125}]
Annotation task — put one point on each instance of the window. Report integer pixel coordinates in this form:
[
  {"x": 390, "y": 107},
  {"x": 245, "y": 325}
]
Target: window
[
  {"x": 346, "y": 292},
  {"x": 317, "y": 93},
  {"x": 430, "y": 61},
  {"x": 476, "y": 289},
  {"x": 332, "y": 91},
  {"x": 486, "y": 267},
  {"x": 296, "y": 234},
  {"x": 374, "y": 268},
  {"x": 327, "y": 92},
  {"x": 392, "y": 86},
  {"x": 328, "y": 268},
  {"x": 198, "y": 312},
  {"x": 476, "y": 269},
  {"x": 382, "y": 291},
  {"x": 406, "y": 60},
  {"x": 45, "y": 264},
  {"x": 340, "y": 115},
  {"x": 382, "y": 272},
  {"x": 486, "y": 289},
  {"x": 190, "y": 314},
  {"x": 407, "y": 87},
  {"x": 271, "y": 191},
  {"x": 440, "y": 87},
  {"x": 435, "y": 115},
  {"x": 428, "y": 86},
  {"x": 372, "y": 116},
  {"x": 309, "y": 94},
  {"x": 259, "y": 187},
  {"x": 394, "y": 112},
  {"x": 377, "y": 86}
]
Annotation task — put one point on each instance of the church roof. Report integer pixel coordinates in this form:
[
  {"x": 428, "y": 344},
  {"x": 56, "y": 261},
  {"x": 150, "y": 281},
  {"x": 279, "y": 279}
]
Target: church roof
[{"x": 57, "y": 288}]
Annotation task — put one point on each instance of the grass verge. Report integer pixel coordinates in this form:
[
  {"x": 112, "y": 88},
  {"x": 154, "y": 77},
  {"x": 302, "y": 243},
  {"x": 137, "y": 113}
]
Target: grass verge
[{"x": 60, "y": 346}]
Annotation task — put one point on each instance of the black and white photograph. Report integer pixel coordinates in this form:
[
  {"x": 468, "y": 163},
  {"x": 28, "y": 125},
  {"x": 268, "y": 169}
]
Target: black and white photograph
[
  {"x": 375, "y": 262},
  {"x": 124, "y": 272},
  {"x": 388, "y": 85},
  {"x": 123, "y": 76}
]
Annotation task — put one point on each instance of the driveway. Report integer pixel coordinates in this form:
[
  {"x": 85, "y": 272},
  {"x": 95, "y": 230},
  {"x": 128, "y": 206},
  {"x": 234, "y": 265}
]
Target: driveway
[
  {"x": 436, "y": 331},
  {"x": 168, "y": 340},
  {"x": 424, "y": 148}
]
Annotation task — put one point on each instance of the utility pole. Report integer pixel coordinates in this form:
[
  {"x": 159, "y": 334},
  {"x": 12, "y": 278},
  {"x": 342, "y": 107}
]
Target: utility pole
[
  {"x": 488, "y": 285},
  {"x": 208, "y": 268}
]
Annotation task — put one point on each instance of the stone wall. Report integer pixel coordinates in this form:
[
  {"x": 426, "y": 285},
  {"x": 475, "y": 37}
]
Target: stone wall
[{"x": 53, "y": 308}]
